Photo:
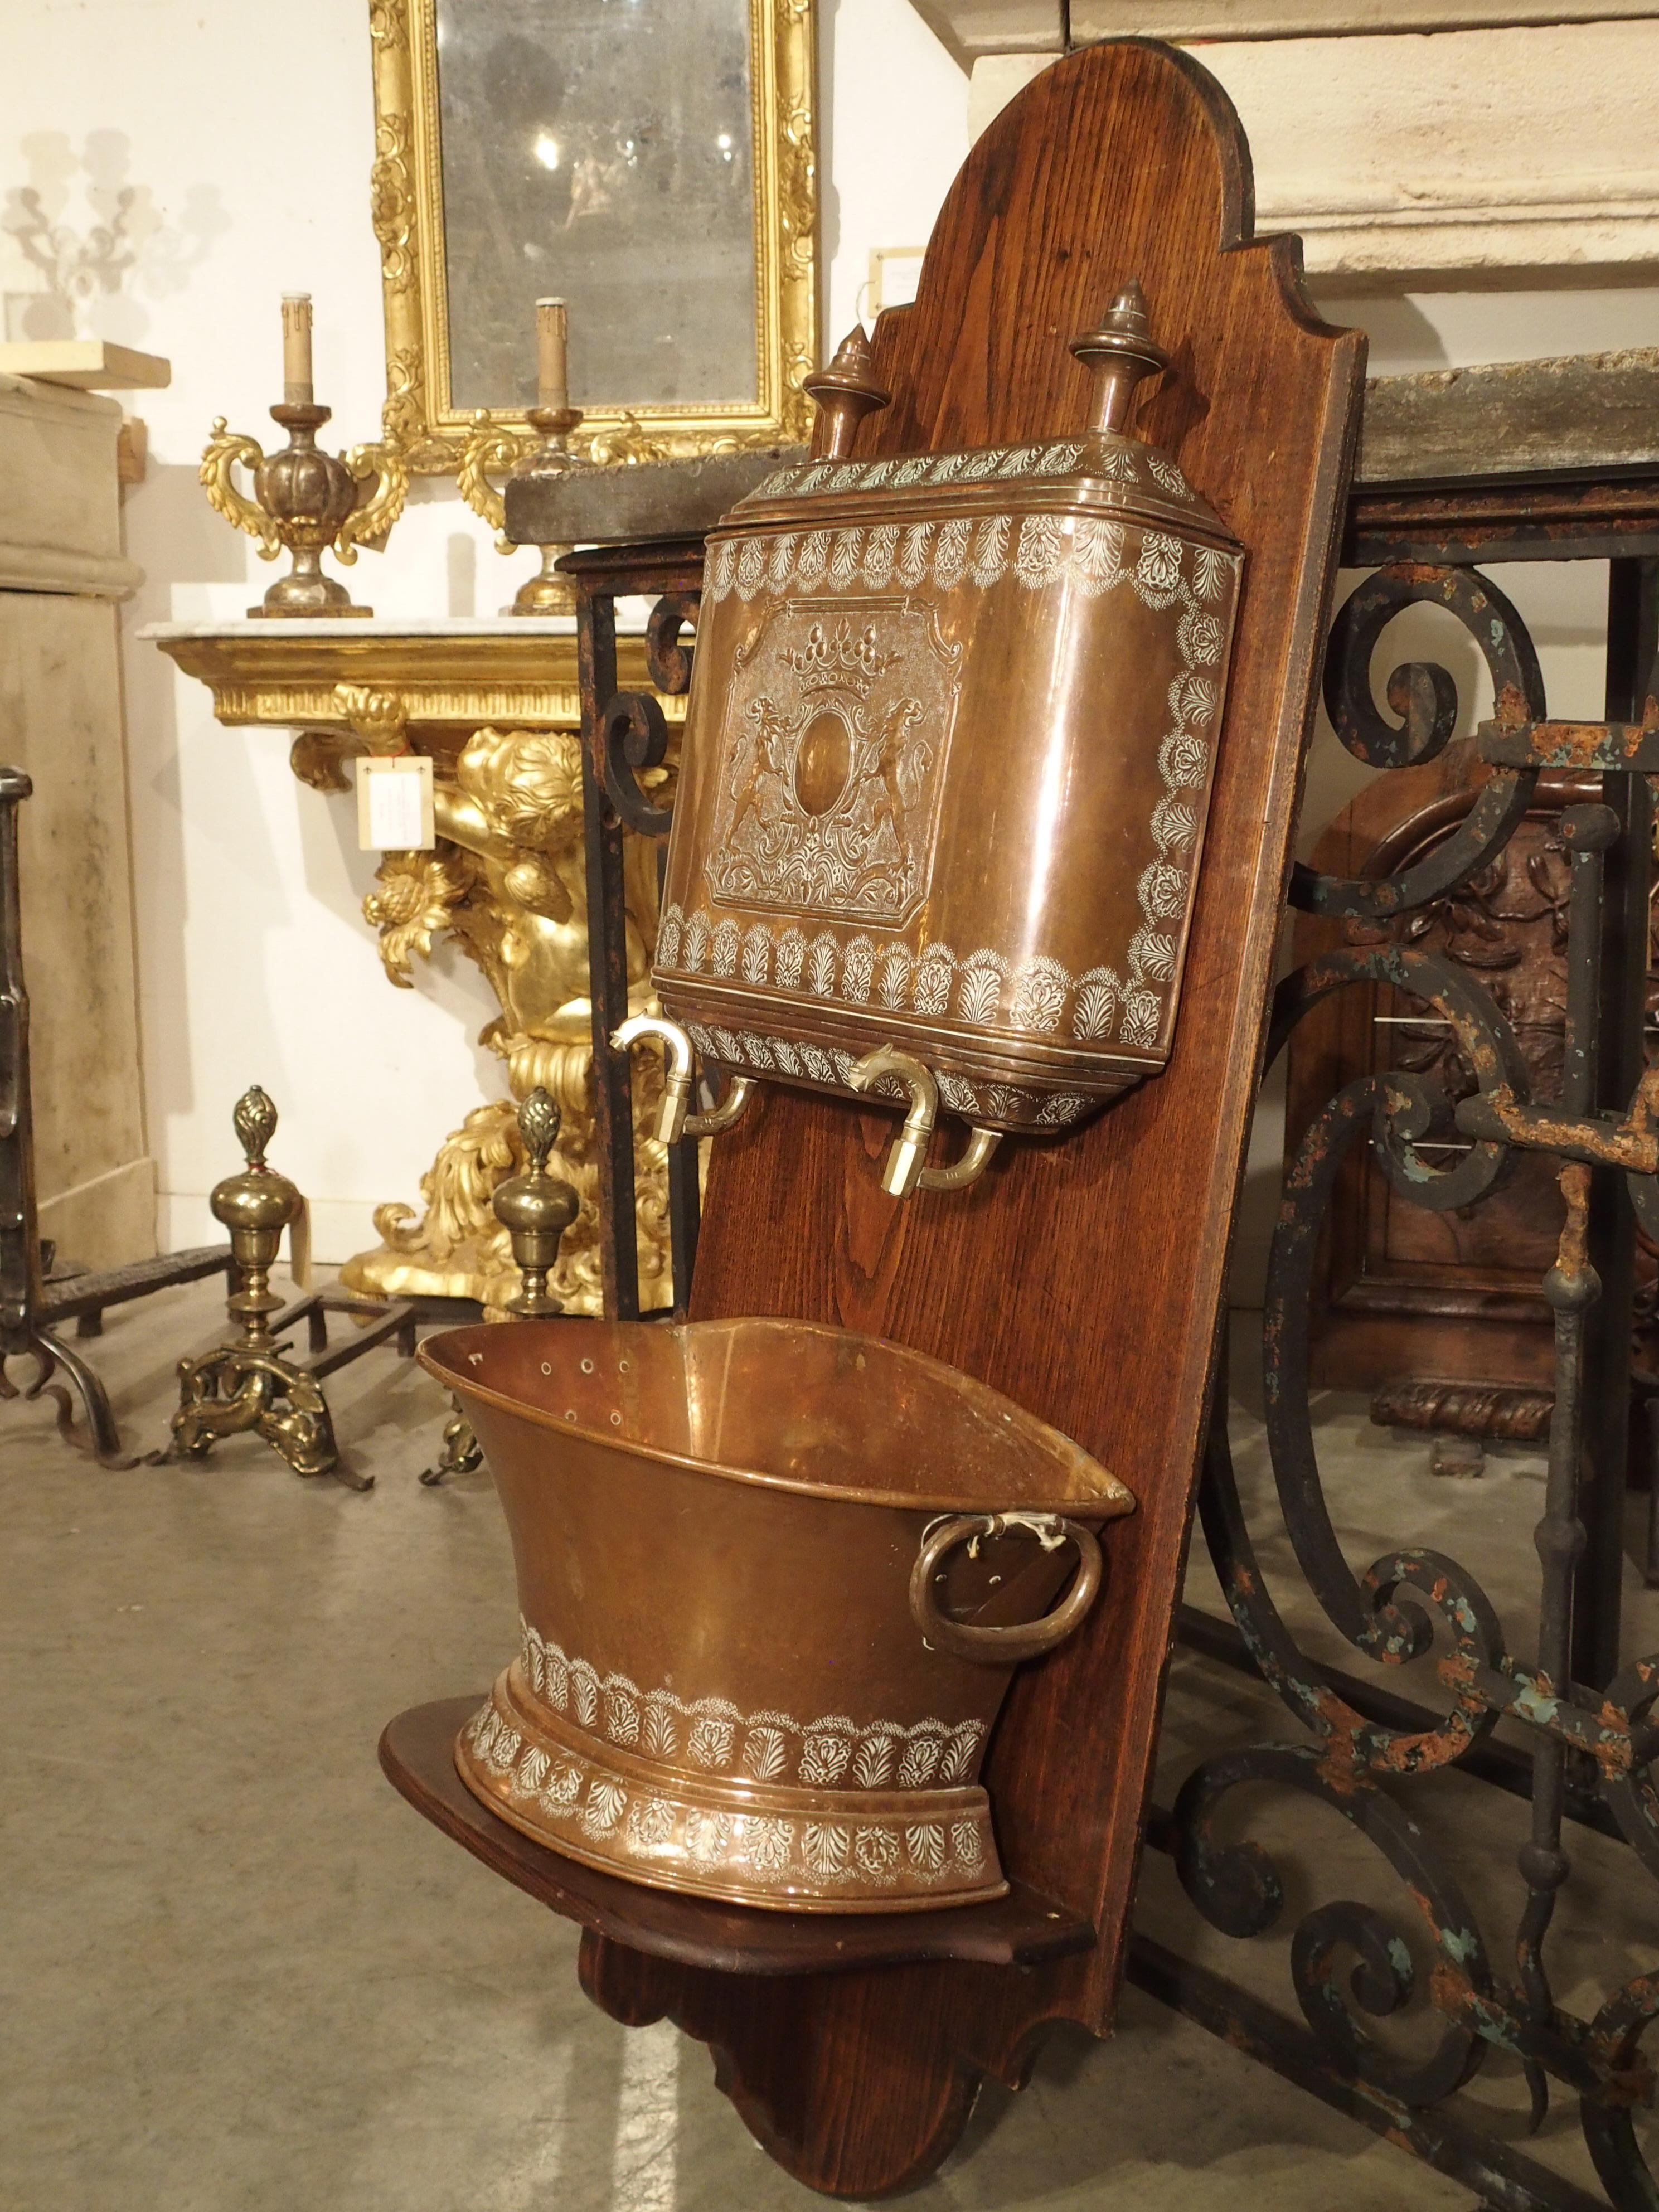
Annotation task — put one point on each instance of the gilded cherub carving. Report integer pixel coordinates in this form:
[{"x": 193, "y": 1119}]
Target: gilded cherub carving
[{"x": 507, "y": 880}]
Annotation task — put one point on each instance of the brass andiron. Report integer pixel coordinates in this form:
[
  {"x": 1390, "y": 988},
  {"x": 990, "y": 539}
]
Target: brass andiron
[
  {"x": 304, "y": 499},
  {"x": 490, "y": 446},
  {"x": 246, "y": 1383},
  {"x": 535, "y": 1209}
]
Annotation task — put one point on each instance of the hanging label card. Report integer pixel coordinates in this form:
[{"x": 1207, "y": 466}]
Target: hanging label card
[{"x": 394, "y": 805}]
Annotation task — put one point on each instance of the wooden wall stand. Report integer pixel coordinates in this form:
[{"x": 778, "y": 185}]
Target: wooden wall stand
[{"x": 1084, "y": 1277}]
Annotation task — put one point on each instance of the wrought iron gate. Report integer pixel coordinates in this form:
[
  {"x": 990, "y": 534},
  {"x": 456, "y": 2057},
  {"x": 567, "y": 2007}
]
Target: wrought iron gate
[{"x": 1590, "y": 1718}]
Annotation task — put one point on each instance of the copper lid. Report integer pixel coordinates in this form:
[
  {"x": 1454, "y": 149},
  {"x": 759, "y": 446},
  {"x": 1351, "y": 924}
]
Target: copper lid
[{"x": 1104, "y": 467}]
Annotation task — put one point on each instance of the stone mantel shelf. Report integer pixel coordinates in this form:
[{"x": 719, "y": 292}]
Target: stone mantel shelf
[
  {"x": 1420, "y": 143},
  {"x": 972, "y": 27}
]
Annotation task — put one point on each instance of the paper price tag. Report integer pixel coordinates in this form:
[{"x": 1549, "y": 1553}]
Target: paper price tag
[{"x": 394, "y": 805}]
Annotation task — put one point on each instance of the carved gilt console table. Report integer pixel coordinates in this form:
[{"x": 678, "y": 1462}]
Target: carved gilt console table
[{"x": 496, "y": 704}]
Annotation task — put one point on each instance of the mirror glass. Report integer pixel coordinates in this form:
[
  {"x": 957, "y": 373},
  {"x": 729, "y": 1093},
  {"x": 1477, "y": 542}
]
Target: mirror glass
[{"x": 601, "y": 151}]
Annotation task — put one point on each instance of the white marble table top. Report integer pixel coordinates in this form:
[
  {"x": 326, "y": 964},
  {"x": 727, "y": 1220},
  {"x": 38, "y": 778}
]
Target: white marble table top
[{"x": 459, "y": 626}]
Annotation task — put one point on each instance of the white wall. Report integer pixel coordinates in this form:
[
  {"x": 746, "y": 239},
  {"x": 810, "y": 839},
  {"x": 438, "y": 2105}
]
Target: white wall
[{"x": 246, "y": 128}]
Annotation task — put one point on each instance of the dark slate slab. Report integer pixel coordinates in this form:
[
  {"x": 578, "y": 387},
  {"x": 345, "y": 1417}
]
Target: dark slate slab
[
  {"x": 634, "y": 502},
  {"x": 1587, "y": 411}
]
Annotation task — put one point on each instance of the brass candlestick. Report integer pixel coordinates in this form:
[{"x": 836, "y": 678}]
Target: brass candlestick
[
  {"x": 489, "y": 446},
  {"x": 246, "y": 1383},
  {"x": 535, "y": 1209},
  {"x": 304, "y": 499}
]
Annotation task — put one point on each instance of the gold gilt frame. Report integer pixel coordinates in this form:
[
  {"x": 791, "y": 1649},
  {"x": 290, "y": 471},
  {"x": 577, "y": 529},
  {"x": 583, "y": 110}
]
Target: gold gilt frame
[{"x": 407, "y": 187}]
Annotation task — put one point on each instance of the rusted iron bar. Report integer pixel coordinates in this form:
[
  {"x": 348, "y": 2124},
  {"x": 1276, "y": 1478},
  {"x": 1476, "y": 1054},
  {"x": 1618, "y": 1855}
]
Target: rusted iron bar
[
  {"x": 1632, "y": 1145},
  {"x": 622, "y": 733},
  {"x": 1576, "y": 747},
  {"x": 1554, "y": 515}
]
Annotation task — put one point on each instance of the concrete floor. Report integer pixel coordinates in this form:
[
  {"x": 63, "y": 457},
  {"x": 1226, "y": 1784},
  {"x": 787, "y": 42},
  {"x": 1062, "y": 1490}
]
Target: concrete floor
[{"x": 239, "y": 1975}]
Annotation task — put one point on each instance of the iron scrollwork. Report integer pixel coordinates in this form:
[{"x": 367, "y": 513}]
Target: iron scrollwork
[
  {"x": 1424, "y": 696},
  {"x": 1598, "y": 1738},
  {"x": 634, "y": 731}
]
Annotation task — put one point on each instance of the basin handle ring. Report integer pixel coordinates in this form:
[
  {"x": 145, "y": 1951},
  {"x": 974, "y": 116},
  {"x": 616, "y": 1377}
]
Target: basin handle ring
[{"x": 1027, "y": 1639}]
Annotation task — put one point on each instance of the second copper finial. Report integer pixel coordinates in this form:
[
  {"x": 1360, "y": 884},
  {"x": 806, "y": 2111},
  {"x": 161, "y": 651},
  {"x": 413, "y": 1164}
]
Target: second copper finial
[{"x": 1119, "y": 353}]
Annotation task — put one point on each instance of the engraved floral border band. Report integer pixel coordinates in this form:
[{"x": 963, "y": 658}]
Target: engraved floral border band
[{"x": 580, "y": 1757}]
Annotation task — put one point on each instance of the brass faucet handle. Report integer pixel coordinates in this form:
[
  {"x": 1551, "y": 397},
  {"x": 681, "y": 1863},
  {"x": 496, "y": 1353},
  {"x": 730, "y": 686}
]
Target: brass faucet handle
[
  {"x": 905, "y": 1170},
  {"x": 901, "y": 1173},
  {"x": 1119, "y": 353},
  {"x": 680, "y": 1061},
  {"x": 675, "y": 1120},
  {"x": 845, "y": 393}
]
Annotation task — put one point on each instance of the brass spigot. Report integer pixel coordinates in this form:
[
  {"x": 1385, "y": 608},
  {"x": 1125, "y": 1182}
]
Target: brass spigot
[
  {"x": 905, "y": 1170},
  {"x": 535, "y": 1209},
  {"x": 675, "y": 1120},
  {"x": 845, "y": 393},
  {"x": 1119, "y": 353},
  {"x": 246, "y": 1383}
]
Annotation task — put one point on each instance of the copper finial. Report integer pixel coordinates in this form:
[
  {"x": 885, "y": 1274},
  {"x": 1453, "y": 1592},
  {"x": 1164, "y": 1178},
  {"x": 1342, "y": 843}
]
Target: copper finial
[
  {"x": 846, "y": 392},
  {"x": 1118, "y": 355}
]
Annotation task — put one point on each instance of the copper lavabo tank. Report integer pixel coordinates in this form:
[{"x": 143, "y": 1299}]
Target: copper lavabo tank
[
  {"x": 948, "y": 759},
  {"x": 773, "y": 1578}
]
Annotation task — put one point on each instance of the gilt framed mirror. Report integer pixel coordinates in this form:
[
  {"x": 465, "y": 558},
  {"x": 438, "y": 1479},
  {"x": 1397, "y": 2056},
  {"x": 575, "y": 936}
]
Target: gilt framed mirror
[{"x": 650, "y": 161}]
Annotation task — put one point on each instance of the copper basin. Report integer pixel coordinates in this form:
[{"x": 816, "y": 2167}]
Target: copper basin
[{"x": 774, "y": 1579}]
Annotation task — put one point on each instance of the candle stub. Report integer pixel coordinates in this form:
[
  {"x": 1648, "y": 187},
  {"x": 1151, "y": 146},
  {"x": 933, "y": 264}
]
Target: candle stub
[
  {"x": 296, "y": 350},
  {"x": 552, "y": 357}
]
